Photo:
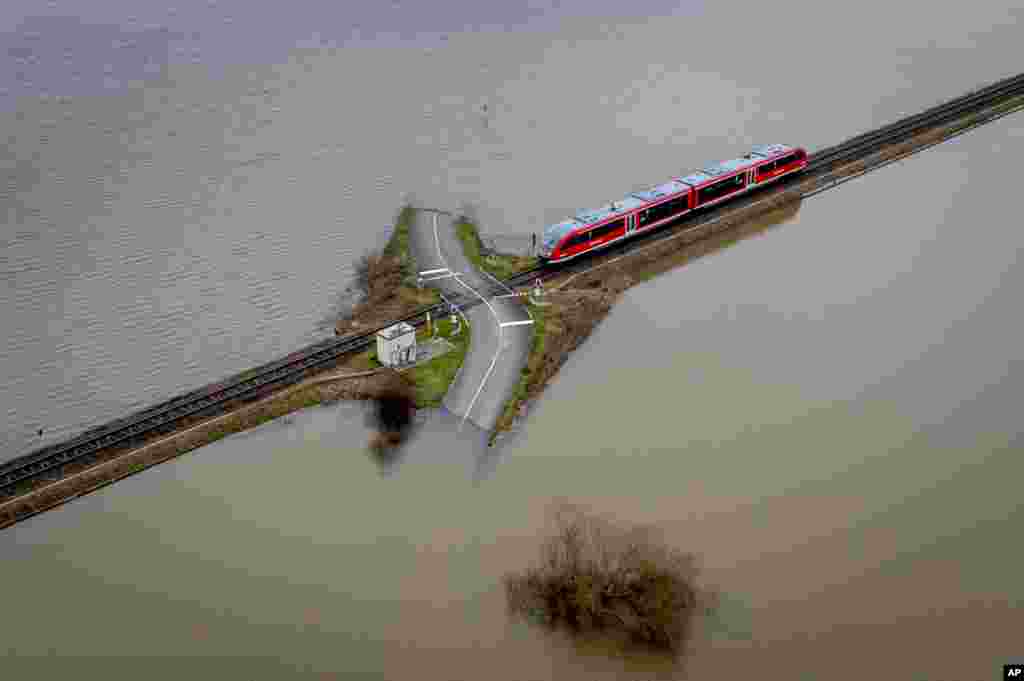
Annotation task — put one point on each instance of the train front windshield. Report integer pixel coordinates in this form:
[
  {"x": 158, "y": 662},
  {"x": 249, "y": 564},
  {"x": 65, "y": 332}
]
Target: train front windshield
[
  {"x": 549, "y": 243},
  {"x": 553, "y": 234}
]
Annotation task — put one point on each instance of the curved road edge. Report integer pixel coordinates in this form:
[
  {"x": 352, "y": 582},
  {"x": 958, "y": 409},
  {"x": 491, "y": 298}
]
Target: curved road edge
[{"x": 502, "y": 332}]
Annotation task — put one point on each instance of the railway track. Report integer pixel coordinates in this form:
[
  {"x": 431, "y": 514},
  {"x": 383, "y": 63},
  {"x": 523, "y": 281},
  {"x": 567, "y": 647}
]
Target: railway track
[
  {"x": 820, "y": 163},
  {"x": 213, "y": 399}
]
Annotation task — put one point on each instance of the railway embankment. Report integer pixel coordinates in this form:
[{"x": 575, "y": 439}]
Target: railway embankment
[
  {"x": 389, "y": 283},
  {"x": 431, "y": 379},
  {"x": 345, "y": 382},
  {"x": 388, "y": 294},
  {"x": 572, "y": 306}
]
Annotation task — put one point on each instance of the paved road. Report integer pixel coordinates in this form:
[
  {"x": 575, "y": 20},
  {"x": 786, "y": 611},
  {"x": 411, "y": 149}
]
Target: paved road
[{"x": 501, "y": 329}]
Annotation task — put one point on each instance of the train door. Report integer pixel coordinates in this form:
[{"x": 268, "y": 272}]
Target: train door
[{"x": 630, "y": 224}]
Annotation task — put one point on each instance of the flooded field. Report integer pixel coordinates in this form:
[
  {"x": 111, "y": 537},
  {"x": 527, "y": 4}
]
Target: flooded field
[
  {"x": 826, "y": 413},
  {"x": 153, "y": 233},
  {"x": 836, "y": 436}
]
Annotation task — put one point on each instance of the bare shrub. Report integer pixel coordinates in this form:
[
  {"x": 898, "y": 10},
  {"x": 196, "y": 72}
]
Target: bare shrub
[
  {"x": 378, "y": 275},
  {"x": 594, "y": 576},
  {"x": 392, "y": 416},
  {"x": 362, "y": 273}
]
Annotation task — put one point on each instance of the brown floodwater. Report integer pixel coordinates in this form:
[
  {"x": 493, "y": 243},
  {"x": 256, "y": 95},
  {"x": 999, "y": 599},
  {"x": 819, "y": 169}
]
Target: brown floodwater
[
  {"x": 826, "y": 413},
  {"x": 846, "y": 484}
]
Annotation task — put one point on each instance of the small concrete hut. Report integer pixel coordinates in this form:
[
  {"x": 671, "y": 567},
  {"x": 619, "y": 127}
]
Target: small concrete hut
[{"x": 396, "y": 345}]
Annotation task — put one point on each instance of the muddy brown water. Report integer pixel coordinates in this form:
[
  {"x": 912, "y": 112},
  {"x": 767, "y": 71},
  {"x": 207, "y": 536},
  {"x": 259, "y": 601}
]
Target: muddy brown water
[
  {"x": 827, "y": 413},
  {"x": 845, "y": 482}
]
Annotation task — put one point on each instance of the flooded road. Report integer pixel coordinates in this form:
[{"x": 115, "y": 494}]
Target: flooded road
[{"x": 826, "y": 413}]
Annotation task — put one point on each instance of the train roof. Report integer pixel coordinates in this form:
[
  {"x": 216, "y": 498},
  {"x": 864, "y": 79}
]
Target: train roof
[
  {"x": 679, "y": 185},
  {"x": 728, "y": 167},
  {"x": 769, "y": 150},
  {"x": 623, "y": 206},
  {"x": 661, "y": 191},
  {"x": 734, "y": 165},
  {"x": 694, "y": 179}
]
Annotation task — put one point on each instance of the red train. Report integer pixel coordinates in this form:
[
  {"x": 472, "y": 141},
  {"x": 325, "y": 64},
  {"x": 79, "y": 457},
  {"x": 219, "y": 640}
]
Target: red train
[{"x": 645, "y": 210}]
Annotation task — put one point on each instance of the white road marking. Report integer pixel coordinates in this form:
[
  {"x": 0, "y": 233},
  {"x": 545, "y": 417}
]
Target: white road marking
[
  {"x": 437, "y": 271},
  {"x": 497, "y": 321},
  {"x": 512, "y": 293},
  {"x": 498, "y": 281},
  {"x": 519, "y": 323},
  {"x": 459, "y": 372},
  {"x": 494, "y": 361},
  {"x": 437, "y": 242}
]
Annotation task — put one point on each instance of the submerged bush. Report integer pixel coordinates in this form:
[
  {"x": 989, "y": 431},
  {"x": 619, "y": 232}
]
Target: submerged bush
[
  {"x": 596, "y": 577},
  {"x": 378, "y": 275},
  {"x": 391, "y": 416}
]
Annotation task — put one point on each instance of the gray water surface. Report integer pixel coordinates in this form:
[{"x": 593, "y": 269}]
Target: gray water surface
[
  {"x": 191, "y": 205},
  {"x": 821, "y": 413},
  {"x": 827, "y": 414}
]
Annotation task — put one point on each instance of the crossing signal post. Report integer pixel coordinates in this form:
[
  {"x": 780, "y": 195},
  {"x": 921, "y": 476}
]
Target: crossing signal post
[
  {"x": 536, "y": 294},
  {"x": 456, "y": 327}
]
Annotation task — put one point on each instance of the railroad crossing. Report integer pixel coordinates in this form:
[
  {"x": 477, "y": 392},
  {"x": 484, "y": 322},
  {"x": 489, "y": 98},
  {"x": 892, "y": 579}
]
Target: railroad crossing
[
  {"x": 825, "y": 171},
  {"x": 500, "y": 328}
]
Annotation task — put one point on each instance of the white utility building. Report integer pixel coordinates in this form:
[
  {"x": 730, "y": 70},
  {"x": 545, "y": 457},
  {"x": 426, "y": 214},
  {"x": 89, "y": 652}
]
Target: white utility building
[{"x": 396, "y": 344}]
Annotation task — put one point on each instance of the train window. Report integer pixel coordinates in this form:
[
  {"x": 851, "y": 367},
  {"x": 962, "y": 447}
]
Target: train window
[
  {"x": 766, "y": 168},
  {"x": 577, "y": 239},
  {"x": 785, "y": 160},
  {"x": 610, "y": 228},
  {"x": 720, "y": 189},
  {"x": 664, "y": 210}
]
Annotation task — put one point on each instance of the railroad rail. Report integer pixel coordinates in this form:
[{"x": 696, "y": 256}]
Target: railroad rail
[
  {"x": 214, "y": 398},
  {"x": 820, "y": 163}
]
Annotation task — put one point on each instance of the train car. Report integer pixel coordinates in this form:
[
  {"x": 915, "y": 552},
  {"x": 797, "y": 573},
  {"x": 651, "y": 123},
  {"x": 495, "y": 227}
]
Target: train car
[
  {"x": 775, "y": 160},
  {"x": 645, "y": 210},
  {"x": 663, "y": 204}
]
